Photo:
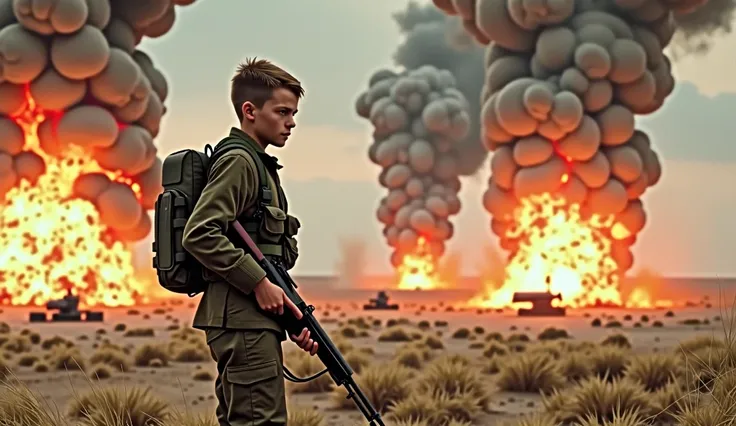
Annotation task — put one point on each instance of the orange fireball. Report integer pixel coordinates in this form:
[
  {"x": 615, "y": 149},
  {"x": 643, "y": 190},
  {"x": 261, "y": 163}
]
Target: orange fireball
[
  {"x": 51, "y": 241},
  {"x": 418, "y": 270},
  {"x": 560, "y": 251}
]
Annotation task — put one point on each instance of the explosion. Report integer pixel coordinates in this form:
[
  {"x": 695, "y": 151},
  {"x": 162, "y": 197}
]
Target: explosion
[
  {"x": 418, "y": 269},
  {"x": 79, "y": 108},
  {"x": 558, "y": 251},
  {"x": 563, "y": 83},
  {"x": 418, "y": 117}
]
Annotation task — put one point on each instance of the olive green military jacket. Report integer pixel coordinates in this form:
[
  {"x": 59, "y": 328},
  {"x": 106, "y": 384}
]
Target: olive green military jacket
[{"x": 231, "y": 192}]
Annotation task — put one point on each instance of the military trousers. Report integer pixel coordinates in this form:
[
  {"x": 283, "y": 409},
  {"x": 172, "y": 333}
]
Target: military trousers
[{"x": 249, "y": 386}]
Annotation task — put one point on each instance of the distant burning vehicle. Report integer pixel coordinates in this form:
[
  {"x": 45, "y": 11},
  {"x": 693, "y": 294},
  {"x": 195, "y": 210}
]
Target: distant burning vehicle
[
  {"x": 68, "y": 308},
  {"x": 380, "y": 303}
]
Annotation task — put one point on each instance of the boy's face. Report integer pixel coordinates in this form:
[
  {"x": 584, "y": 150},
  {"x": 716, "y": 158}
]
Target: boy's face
[{"x": 274, "y": 121}]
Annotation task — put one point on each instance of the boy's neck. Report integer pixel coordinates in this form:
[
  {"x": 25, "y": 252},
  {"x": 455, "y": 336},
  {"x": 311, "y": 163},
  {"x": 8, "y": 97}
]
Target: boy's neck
[{"x": 253, "y": 136}]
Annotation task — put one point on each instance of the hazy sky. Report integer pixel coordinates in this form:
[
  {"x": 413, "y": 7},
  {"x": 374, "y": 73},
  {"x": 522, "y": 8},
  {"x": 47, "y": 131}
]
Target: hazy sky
[{"x": 333, "y": 46}]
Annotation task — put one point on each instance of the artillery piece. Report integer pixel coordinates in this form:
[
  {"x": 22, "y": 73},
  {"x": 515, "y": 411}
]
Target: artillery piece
[
  {"x": 541, "y": 304},
  {"x": 380, "y": 302},
  {"x": 68, "y": 311}
]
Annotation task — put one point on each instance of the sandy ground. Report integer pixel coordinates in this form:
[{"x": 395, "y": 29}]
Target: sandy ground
[{"x": 175, "y": 382}]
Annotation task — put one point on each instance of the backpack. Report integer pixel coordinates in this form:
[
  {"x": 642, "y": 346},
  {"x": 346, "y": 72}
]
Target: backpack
[{"x": 184, "y": 176}]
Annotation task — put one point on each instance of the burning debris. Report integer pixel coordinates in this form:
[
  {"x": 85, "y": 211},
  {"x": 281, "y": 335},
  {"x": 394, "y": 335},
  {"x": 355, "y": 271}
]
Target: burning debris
[
  {"x": 418, "y": 117},
  {"x": 79, "y": 108},
  {"x": 563, "y": 83},
  {"x": 68, "y": 311}
]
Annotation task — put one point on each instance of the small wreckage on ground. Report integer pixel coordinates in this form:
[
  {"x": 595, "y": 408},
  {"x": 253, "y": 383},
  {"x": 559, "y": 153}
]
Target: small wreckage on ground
[{"x": 68, "y": 311}]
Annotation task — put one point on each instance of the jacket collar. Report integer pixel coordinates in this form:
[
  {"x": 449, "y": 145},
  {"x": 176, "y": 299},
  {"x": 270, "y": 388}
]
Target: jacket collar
[{"x": 269, "y": 160}]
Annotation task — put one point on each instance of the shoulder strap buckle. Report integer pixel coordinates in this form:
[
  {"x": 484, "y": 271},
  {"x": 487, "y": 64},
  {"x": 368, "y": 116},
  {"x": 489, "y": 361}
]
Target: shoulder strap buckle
[{"x": 266, "y": 195}]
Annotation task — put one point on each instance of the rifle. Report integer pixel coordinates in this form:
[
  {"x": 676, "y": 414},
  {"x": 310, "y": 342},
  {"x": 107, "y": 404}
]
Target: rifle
[{"x": 327, "y": 352}]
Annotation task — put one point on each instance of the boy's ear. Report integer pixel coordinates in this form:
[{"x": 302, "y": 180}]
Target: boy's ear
[{"x": 248, "y": 110}]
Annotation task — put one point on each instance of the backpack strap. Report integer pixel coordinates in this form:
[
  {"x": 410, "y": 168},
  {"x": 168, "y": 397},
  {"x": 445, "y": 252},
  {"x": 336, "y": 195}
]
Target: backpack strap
[{"x": 265, "y": 195}]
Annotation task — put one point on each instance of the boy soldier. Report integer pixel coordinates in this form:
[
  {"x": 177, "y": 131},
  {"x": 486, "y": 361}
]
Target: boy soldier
[{"x": 239, "y": 306}]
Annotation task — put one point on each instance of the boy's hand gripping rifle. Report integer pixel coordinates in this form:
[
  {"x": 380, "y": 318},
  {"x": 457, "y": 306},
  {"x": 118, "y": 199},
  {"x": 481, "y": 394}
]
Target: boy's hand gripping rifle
[{"x": 327, "y": 352}]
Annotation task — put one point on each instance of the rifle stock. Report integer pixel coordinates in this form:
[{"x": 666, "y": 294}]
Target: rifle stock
[{"x": 327, "y": 351}]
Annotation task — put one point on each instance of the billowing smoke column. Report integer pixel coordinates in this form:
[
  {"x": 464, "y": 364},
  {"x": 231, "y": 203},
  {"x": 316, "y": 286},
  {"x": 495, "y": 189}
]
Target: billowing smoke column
[
  {"x": 431, "y": 37},
  {"x": 79, "y": 104},
  {"x": 564, "y": 81},
  {"x": 418, "y": 117}
]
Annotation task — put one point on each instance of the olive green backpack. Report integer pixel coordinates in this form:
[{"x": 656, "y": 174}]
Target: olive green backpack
[{"x": 184, "y": 176}]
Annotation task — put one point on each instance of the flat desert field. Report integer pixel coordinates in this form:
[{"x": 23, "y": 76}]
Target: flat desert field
[{"x": 424, "y": 362}]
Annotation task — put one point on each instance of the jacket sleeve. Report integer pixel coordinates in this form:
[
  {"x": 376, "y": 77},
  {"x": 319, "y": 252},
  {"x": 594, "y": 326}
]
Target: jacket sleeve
[{"x": 232, "y": 189}]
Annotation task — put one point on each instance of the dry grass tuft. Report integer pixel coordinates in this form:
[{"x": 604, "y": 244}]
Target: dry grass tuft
[
  {"x": 203, "y": 376},
  {"x": 535, "y": 419},
  {"x": 553, "y": 348},
  {"x": 52, "y": 342},
  {"x": 100, "y": 371},
  {"x": 303, "y": 416},
  {"x": 518, "y": 337},
  {"x": 357, "y": 360},
  {"x": 412, "y": 357},
  {"x": 492, "y": 366},
  {"x": 118, "y": 405},
  {"x": 67, "y": 358},
  {"x": 187, "y": 419},
  {"x": 139, "y": 332},
  {"x": 146, "y": 354},
  {"x": 425, "y": 423},
  {"x": 433, "y": 342},
  {"x": 27, "y": 360},
  {"x": 190, "y": 352},
  {"x": 382, "y": 386},
  {"x": 395, "y": 333},
  {"x": 609, "y": 361},
  {"x": 619, "y": 418},
  {"x": 552, "y": 333},
  {"x": 599, "y": 398},
  {"x": 41, "y": 367},
  {"x": 529, "y": 372},
  {"x": 19, "y": 406},
  {"x": 348, "y": 332},
  {"x": 455, "y": 377},
  {"x": 461, "y": 333},
  {"x": 17, "y": 344},
  {"x": 617, "y": 339},
  {"x": 438, "y": 409},
  {"x": 112, "y": 356},
  {"x": 575, "y": 366},
  {"x": 495, "y": 348},
  {"x": 668, "y": 401},
  {"x": 700, "y": 343},
  {"x": 654, "y": 371}
]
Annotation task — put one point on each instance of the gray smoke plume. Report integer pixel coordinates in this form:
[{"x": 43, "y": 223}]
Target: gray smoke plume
[
  {"x": 419, "y": 118},
  {"x": 564, "y": 82},
  {"x": 697, "y": 29},
  {"x": 433, "y": 38}
]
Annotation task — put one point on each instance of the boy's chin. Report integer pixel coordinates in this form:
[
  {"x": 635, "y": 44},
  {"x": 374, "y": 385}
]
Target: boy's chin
[{"x": 279, "y": 142}]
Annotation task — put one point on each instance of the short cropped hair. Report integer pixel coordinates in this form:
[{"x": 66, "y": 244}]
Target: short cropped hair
[{"x": 255, "y": 81}]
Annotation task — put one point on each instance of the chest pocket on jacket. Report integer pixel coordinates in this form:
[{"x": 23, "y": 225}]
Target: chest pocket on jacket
[
  {"x": 273, "y": 225},
  {"x": 291, "y": 250}
]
